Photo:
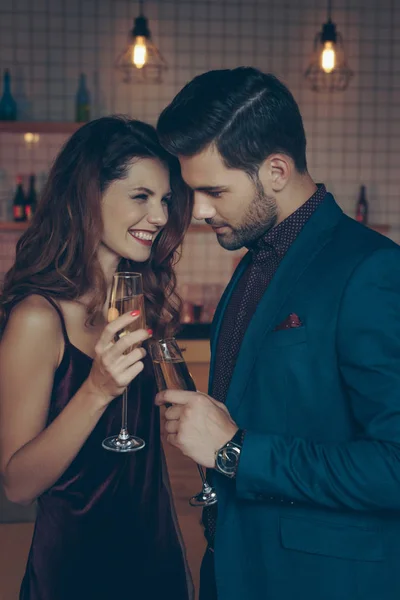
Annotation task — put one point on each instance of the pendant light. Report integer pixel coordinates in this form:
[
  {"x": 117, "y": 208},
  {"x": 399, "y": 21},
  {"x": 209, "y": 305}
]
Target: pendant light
[
  {"x": 141, "y": 60},
  {"x": 328, "y": 69}
]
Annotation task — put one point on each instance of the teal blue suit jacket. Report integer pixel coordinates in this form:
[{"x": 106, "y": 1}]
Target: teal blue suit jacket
[{"x": 314, "y": 513}]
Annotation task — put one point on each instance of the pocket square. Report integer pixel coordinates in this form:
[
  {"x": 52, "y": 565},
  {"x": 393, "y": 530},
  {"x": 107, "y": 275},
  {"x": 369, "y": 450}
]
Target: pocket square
[{"x": 291, "y": 322}]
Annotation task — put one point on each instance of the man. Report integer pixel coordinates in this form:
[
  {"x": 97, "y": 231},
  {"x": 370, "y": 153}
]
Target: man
[{"x": 302, "y": 425}]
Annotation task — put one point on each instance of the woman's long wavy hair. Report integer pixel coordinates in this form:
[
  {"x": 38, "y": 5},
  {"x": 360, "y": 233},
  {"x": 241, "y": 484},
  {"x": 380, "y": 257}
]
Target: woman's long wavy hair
[{"x": 57, "y": 255}]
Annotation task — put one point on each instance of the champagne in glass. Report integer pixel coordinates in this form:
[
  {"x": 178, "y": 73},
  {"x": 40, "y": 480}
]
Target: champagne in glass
[
  {"x": 126, "y": 296},
  {"x": 128, "y": 304},
  {"x": 172, "y": 373}
]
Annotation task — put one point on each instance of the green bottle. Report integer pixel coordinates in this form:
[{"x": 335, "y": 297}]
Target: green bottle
[
  {"x": 82, "y": 112},
  {"x": 8, "y": 106}
]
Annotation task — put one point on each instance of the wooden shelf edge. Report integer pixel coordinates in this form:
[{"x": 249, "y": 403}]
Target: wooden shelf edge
[
  {"x": 380, "y": 228},
  {"x": 12, "y": 226},
  {"x": 38, "y": 127}
]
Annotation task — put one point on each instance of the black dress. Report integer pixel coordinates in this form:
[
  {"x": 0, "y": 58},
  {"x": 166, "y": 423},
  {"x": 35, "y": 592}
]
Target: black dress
[{"x": 107, "y": 528}]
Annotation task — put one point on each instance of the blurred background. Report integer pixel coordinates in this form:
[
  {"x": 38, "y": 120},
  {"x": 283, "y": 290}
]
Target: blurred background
[{"x": 353, "y": 134}]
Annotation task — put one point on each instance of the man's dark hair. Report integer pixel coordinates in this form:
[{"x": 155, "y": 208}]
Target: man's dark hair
[{"x": 247, "y": 114}]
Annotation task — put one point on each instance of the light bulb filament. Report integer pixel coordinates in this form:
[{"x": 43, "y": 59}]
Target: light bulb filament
[
  {"x": 139, "y": 54},
  {"x": 328, "y": 58}
]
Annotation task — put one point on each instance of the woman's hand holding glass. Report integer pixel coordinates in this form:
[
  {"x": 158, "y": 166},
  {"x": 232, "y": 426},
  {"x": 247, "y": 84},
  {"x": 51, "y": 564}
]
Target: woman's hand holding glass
[{"x": 114, "y": 366}]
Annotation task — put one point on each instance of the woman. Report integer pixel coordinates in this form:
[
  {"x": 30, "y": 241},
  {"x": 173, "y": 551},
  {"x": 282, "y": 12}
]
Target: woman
[{"x": 105, "y": 523}]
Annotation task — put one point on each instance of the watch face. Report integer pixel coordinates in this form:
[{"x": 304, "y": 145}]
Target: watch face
[{"x": 227, "y": 458}]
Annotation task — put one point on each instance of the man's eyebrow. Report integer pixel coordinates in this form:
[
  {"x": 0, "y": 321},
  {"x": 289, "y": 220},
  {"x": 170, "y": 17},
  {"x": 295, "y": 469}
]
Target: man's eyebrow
[{"x": 210, "y": 188}]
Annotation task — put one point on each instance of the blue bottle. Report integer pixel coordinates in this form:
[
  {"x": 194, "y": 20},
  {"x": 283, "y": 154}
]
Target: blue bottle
[
  {"x": 8, "y": 106},
  {"x": 82, "y": 102}
]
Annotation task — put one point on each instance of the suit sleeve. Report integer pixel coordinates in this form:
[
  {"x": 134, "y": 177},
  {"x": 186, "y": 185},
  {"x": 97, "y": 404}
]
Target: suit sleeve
[{"x": 362, "y": 474}]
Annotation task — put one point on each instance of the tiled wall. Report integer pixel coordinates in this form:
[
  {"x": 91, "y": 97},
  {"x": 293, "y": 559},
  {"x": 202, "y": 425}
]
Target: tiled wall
[{"x": 353, "y": 137}]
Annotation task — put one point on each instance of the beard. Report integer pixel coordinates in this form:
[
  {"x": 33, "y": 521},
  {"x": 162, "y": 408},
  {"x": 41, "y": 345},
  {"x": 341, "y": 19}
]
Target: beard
[{"x": 260, "y": 217}]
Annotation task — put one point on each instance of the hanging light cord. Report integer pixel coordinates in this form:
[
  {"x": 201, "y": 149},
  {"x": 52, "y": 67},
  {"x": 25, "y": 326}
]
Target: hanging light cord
[
  {"x": 329, "y": 10},
  {"x": 141, "y": 2}
]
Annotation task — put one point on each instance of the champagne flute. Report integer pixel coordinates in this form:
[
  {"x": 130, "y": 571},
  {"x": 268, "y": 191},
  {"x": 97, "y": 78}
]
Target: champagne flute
[
  {"x": 172, "y": 373},
  {"x": 126, "y": 296}
]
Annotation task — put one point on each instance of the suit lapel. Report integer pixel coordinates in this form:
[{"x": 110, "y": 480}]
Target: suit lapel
[{"x": 307, "y": 245}]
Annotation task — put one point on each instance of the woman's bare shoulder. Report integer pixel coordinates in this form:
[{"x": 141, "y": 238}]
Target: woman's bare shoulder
[{"x": 35, "y": 315}]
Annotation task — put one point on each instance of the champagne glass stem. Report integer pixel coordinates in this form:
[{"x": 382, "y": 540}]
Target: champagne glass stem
[
  {"x": 123, "y": 434},
  {"x": 203, "y": 477}
]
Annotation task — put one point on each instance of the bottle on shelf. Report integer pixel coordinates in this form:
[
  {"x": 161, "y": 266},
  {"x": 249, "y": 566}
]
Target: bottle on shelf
[
  {"x": 362, "y": 207},
  {"x": 82, "y": 105},
  {"x": 31, "y": 199},
  {"x": 8, "y": 106},
  {"x": 19, "y": 201}
]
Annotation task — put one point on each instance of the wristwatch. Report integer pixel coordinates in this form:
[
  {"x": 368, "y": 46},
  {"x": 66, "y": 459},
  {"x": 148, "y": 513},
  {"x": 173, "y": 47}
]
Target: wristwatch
[{"x": 227, "y": 457}]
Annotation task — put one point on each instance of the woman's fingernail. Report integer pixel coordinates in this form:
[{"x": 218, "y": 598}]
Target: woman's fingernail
[
  {"x": 135, "y": 313},
  {"x": 150, "y": 332}
]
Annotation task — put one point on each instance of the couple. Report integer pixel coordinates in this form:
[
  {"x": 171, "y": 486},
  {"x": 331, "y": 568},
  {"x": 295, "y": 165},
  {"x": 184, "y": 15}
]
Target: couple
[{"x": 301, "y": 431}]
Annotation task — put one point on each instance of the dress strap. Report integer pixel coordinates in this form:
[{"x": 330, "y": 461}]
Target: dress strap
[
  {"x": 55, "y": 306},
  {"x": 59, "y": 312}
]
